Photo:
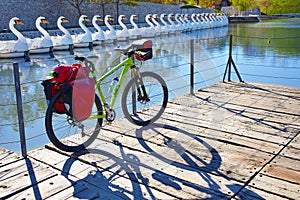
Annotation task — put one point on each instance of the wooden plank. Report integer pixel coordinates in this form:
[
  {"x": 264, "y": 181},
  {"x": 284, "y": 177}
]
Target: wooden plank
[
  {"x": 250, "y": 193},
  {"x": 295, "y": 143},
  {"x": 276, "y": 89},
  {"x": 292, "y": 151},
  {"x": 240, "y": 120},
  {"x": 255, "y": 87},
  {"x": 284, "y": 173},
  {"x": 7, "y": 157},
  {"x": 247, "y": 101},
  {"x": 228, "y": 106},
  {"x": 116, "y": 152},
  {"x": 21, "y": 175},
  {"x": 59, "y": 187},
  {"x": 251, "y": 159},
  {"x": 276, "y": 186},
  {"x": 99, "y": 177},
  {"x": 205, "y": 146},
  {"x": 160, "y": 174},
  {"x": 242, "y": 134},
  {"x": 255, "y": 97},
  {"x": 154, "y": 144}
]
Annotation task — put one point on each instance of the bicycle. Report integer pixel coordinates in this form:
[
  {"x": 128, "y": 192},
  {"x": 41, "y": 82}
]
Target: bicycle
[{"x": 144, "y": 100}]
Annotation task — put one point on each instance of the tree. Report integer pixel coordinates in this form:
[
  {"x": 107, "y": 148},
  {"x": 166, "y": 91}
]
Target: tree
[
  {"x": 192, "y": 2},
  {"x": 209, "y": 3},
  {"x": 243, "y": 5},
  {"x": 266, "y": 4},
  {"x": 204, "y": 3},
  {"x": 75, "y": 3},
  {"x": 117, "y": 2},
  {"x": 126, "y": 2},
  {"x": 164, "y": 1},
  {"x": 102, "y": 3}
]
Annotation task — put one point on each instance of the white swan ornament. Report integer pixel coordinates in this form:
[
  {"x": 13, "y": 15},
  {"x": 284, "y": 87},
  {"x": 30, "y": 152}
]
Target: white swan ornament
[
  {"x": 84, "y": 39},
  {"x": 172, "y": 26},
  {"x": 157, "y": 25},
  {"x": 200, "y": 21},
  {"x": 194, "y": 22},
  {"x": 150, "y": 30},
  {"x": 110, "y": 34},
  {"x": 14, "y": 48},
  {"x": 134, "y": 32},
  {"x": 123, "y": 34},
  {"x": 188, "y": 23},
  {"x": 165, "y": 28},
  {"x": 98, "y": 36},
  {"x": 208, "y": 20},
  {"x": 62, "y": 42},
  {"x": 179, "y": 23},
  {"x": 213, "y": 20},
  {"x": 41, "y": 44}
]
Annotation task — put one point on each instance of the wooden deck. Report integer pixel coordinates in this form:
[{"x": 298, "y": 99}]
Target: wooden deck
[{"x": 229, "y": 141}]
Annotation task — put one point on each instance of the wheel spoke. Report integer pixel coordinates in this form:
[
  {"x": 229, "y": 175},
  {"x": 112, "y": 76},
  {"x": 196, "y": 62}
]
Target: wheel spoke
[
  {"x": 68, "y": 134},
  {"x": 156, "y": 96}
]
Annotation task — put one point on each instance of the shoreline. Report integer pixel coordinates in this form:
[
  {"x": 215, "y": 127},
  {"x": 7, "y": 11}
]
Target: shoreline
[
  {"x": 258, "y": 18},
  {"x": 279, "y": 16}
]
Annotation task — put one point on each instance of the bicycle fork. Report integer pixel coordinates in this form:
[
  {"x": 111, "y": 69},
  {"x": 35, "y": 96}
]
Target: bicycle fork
[{"x": 142, "y": 95}]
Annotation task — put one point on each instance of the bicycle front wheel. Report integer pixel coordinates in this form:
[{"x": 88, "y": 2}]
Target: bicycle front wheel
[
  {"x": 68, "y": 134},
  {"x": 145, "y": 99}
]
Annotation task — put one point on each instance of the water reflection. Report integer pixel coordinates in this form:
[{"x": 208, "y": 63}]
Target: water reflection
[{"x": 280, "y": 37}]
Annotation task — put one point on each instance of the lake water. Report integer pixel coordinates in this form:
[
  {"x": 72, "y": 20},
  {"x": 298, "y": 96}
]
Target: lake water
[{"x": 266, "y": 52}]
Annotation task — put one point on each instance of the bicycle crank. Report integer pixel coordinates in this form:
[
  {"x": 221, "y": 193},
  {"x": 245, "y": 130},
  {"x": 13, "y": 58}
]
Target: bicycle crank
[{"x": 110, "y": 115}]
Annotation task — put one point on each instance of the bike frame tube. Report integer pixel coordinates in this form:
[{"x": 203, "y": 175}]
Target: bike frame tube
[{"x": 127, "y": 64}]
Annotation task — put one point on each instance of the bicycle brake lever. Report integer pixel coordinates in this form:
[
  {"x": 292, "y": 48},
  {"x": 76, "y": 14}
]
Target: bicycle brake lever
[
  {"x": 80, "y": 58},
  {"x": 124, "y": 50}
]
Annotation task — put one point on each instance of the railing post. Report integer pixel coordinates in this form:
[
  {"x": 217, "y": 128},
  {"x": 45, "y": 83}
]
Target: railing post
[
  {"x": 229, "y": 62},
  {"x": 192, "y": 67},
  {"x": 20, "y": 109}
]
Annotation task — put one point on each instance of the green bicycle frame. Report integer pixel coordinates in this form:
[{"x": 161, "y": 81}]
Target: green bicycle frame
[{"x": 127, "y": 64}]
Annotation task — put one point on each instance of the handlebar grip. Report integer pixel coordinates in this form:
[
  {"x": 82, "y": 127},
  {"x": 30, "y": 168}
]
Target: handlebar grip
[{"x": 80, "y": 58}]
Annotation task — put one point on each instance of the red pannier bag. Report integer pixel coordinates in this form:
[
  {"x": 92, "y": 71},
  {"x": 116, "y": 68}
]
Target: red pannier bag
[
  {"x": 79, "y": 97},
  {"x": 50, "y": 89},
  {"x": 65, "y": 73},
  {"x": 78, "y": 90}
]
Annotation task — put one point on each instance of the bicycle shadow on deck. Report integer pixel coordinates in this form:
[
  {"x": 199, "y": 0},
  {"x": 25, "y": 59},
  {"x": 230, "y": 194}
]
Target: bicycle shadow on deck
[
  {"x": 99, "y": 182},
  {"x": 193, "y": 163},
  {"x": 141, "y": 178}
]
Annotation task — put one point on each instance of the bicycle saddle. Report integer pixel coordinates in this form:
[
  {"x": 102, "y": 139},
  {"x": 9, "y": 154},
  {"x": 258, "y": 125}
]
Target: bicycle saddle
[{"x": 136, "y": 45}]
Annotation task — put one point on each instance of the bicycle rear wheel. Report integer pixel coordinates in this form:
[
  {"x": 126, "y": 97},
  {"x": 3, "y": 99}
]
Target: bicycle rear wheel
[
  {"x": 145, "y": 100},
  {"x": 68, "y": 134}
]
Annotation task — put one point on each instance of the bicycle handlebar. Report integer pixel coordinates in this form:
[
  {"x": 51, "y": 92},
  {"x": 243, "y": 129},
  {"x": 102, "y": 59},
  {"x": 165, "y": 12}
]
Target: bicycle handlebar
[
  {"x": 80, "y": 58},
  {"x": 128, "y": 50},
  {"x": 136, "y": 45},
  {"x": 86, "y": 62}
]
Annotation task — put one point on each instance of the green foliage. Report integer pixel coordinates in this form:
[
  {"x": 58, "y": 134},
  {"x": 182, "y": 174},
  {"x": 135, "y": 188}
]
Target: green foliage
[
  {"x": 131, "y": 3},
  {"x": 243, "y": 5},
  {"x": 164, "y": 1},
  {"x": 284, "y": 6},
  {"x": 210, "y": 3},
  {"x": 190, "y": 2},
  {"x": 268, "y": 6}
]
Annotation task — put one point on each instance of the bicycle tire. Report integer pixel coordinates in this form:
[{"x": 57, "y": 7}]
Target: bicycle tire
[
  {"x": 146, "y": 112},
  {"x": 65, "y": 133}
]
